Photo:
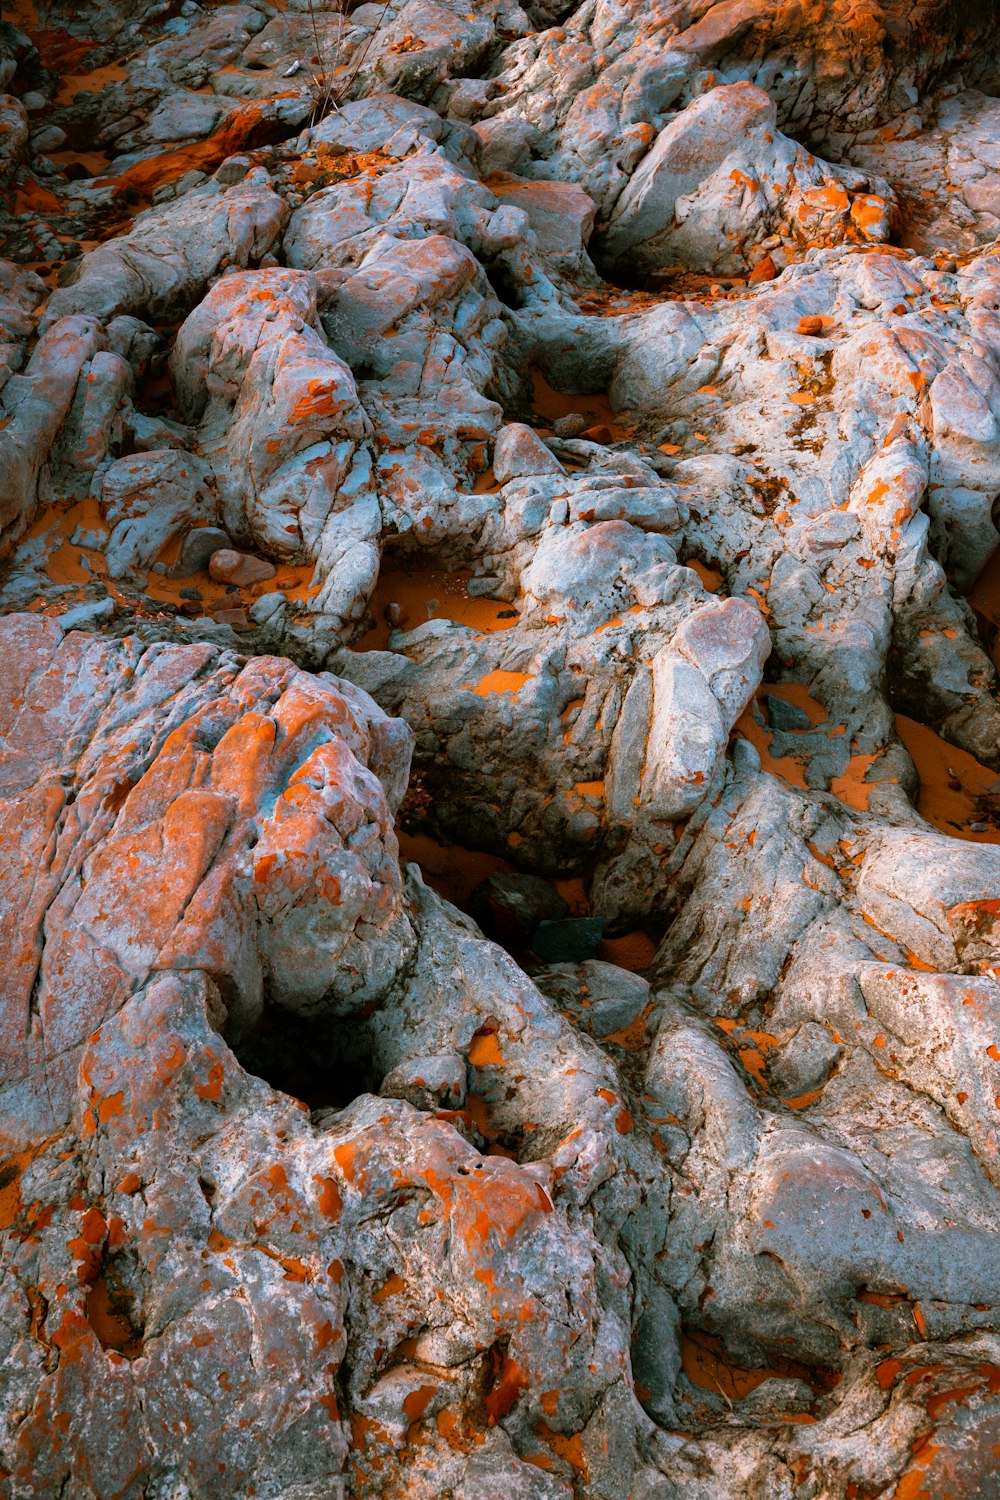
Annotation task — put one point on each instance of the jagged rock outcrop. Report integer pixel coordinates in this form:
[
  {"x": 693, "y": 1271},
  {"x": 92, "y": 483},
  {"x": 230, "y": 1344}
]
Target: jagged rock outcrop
[{"x": 548, "y": 458}]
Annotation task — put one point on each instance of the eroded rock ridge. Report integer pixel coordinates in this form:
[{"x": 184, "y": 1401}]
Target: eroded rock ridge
[{"x": 500, "y": 750}]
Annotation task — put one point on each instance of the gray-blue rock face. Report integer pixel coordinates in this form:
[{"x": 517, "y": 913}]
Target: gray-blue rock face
[{"x": 499, "y": 751}]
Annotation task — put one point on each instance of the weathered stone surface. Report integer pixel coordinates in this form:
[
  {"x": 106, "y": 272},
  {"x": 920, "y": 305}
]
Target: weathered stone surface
[
  {"x": 198, "y": 548},
  {"x": 662, "y": 597},
  {"x": 721, "y": 178},
  {"x": 517, "y": 453},
  {"x": 147, "y": 499},
  {"x": 227, "y": 566}
]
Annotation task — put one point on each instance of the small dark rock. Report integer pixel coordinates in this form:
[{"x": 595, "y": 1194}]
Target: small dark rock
[
  {"x": 571, "y": 941},
  {"x": 236, "y": 618},
  {"x": 510, "y": 906},
  {"x": 198, "y": 546},
  {"x": 785, "y": 716},
  {"x": 569, "y": 426}
]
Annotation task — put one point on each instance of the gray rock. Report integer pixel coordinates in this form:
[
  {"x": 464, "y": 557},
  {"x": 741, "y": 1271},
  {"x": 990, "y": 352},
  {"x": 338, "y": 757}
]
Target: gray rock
[
  {"x": 267, "y": 606},
  {"x": 197, "y": 549},
  {"x": 49, "y": 138},
  {"x": 81, "y": 616},
  {"x": 510, "y": 906},
  {"x": 570, "y": 426},
  {"x": 571, "y": 940},
  {"x": 519, "y": 451},
  {"x": 280, "y": 1124}
]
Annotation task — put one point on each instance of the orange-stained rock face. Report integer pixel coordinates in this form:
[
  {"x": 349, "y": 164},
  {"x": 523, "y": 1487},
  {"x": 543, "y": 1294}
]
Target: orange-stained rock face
[
  {"x": 228, "y": 834},
  {"x": 543, "y": 459}
]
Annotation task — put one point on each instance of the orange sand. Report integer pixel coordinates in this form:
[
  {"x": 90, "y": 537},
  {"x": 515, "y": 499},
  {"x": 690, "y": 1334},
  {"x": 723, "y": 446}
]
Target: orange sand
[
  {"x": 787, "y": 768},
  {"x": 499, "y": 682},
  {"x": 548, "y": 404},
  {"x": 635, "y": 950},
  {"x": 454, "y": 873},
  {"x": 430, "y": 594},
  {"x": 574, "y": 893},
  {"x": 67, "y": 564},
  {"x": 88, "y": 83},
  {"x": 706, "y": 1364},
  {"x": 95, "y": 162},
  {"x": 486, "y": 483},
  {"x": 853, "y": 787},
  {"x": 711, "y": 578},
  {"x": 950, "y": 782},
  {"x": 985, "y": 600},
  {"x": 112, "y": 1326},
  {"x": 295, "y": 580},
  {"x": 57, "y": 524}
]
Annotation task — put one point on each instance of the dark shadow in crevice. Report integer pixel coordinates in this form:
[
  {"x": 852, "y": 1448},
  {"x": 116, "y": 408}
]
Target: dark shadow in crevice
[
  {"x": 323, "y": 1061},
  {"x": 504, "y": 284},
  {"x": 671, "y": 284},
  {"x": 113, "y": 1305}
]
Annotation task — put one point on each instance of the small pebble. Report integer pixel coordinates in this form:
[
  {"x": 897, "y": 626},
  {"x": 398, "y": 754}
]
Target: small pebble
[
  {"x": 599, "y": 434},
  {"x": 234, "y": 617},
  {"x": 764, "y": 270},
  {"x": 569, "y": 426},
  {"x": 239, "y": 568}
]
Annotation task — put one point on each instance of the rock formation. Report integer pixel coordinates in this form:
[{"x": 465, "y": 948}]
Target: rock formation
[{"x": 500, "y": 750}]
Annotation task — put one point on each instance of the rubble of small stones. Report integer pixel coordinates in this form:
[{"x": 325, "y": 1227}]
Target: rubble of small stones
[{"x": 499, "y": 750}]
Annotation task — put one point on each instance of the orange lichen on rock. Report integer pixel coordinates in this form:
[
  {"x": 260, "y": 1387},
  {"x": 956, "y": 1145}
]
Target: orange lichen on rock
[
  {"x": 500, "y": 681},
  {"x": 11, "y": 1171},
  {"x": 484, "y": 1049},
  {"x": 343, "y": 1193},
  {"x": 751, "y": 1046},
  {"x": 243, "y": 127}
]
